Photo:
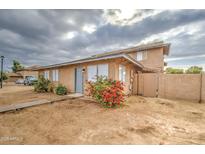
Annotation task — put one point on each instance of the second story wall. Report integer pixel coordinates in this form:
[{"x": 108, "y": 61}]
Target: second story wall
[{"x": 153, "y": 58}]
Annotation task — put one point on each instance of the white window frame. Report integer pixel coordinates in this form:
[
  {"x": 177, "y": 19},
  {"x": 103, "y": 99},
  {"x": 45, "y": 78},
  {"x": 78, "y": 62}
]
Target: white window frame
[
  {"x": 55, "y": 75},
  {"x": 94, "y": 71},
  {"x": 46, "y": 75},
  {"x": 141, "y": 55},
  {"x": 122, "y": 73}
]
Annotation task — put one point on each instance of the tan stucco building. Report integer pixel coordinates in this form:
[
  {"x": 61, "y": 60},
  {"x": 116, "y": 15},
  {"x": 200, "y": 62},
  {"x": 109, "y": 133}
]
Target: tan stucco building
[
  {"x": 13, "y": 77},
  {"x": 118, "y": 65},
  {"x": 29, "y": 71}
]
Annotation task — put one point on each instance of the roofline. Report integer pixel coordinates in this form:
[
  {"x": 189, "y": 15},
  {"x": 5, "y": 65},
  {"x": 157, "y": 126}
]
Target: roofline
[
  {"x": 166, "y": 47},
  {"x": 116, "y": 54},
  {"x": 127, "y": 57},
  {"x": 132, "y": 60},
  {"x": 89, "y": 60}
]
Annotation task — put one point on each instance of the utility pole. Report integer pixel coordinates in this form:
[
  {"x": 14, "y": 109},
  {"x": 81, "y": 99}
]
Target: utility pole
[{"x": 2, "y": 62}]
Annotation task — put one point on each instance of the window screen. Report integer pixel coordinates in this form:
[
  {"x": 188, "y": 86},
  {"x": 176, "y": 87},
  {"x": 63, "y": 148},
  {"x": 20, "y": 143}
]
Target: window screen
[
  {"x": 139, "y": 56},
  {"x": 142, "y": 55},
  {"x": 55, "y": 75},
  {"x": 46, "y": 74},
  {"x": 97, "y": 70},
  {"x": 122, "y": 73},
  {"x": 103, "y": 70},
  {"x": 92, "y": 72}
]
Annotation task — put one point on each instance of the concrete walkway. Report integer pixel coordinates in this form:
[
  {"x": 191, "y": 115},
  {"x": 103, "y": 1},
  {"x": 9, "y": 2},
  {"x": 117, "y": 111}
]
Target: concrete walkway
[{"x": 14, "y": 107}]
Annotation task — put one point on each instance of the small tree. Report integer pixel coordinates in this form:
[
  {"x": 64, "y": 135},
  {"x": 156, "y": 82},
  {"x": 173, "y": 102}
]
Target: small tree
[
  {"x": 4, "y": 76},
  {"x": 171, "y": 70},
  {"x": 17, "y": 66},
  {"x": 194, "y": 70}
]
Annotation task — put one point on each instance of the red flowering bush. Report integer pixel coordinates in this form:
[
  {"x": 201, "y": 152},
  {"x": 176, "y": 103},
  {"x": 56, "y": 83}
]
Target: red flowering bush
[{"x": 106, "y": 91}]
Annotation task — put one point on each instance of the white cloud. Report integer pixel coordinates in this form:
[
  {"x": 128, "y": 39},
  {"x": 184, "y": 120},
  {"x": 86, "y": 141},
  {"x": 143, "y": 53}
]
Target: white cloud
[
  {"x": 89, "y": 28},
  {"x": 128, "y": 16},
  {"x": 69, "y": 35},
  {"x": 66, "y": 34},
  {"x": 125, "y": 14},
  {"x": 163, "y": 36},
  {"x": 184, "y": 58},
  {"x": 70, "y": 21},
  {"x": 190, "y": 29}
]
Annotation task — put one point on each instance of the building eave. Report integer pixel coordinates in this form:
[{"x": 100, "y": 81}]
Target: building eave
[
  {"x": 82, "y": 61},
  {"x": 165, "y": 46},
  {"x": 143, "y": 68},
  {"x": 114, "y": 54},
  {"x": 125, "y": 56}
]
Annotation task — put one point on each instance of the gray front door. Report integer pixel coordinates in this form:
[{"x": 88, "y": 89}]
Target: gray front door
[{"x": 78, "y": 80}]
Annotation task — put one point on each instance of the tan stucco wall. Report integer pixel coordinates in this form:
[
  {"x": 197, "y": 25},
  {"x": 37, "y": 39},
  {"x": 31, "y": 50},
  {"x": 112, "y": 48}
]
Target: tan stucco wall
[
  {"x": 141, "y": 84},
  {"x": 172, "y": 86},
  {"x": 67, "y": 77},
  {"x": 67, "y": 73},
  {"x": 155, "y": 58},
  {"x": 183, "y": 86},
  {"x": 203, "y": 88},
  {"x": 13, "y": 78},
  {"x": 135, "y": 84}
]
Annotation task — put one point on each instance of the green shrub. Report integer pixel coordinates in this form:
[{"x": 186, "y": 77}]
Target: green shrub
[
  {"x": 51, "y": 87},
  {"x": 171, "y": 70},
  {"x": 61, "y": 90},
  {"x": 194, "y": 70},
  {"x": 42, "y": 85},
  {"x": 190, "y": 70}
]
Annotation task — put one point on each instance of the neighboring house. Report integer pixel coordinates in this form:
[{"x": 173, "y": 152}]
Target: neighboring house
[
  {"x": 12, "y": 77},
  {"x": 119, "y": 65},
  {"x": 29, "y": 71}
]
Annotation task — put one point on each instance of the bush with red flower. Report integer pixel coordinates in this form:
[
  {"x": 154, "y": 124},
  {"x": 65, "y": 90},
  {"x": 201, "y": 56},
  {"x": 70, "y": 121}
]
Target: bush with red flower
[{"x": 106, "y": 91}]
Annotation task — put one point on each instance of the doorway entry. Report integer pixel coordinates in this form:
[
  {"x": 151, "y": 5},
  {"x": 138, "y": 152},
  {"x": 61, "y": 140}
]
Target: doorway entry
[{"x": 79, "y": 80}]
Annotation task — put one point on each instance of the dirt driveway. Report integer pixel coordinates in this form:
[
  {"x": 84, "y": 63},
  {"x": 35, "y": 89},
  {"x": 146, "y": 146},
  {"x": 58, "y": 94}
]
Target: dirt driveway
[
  {"x": 11, "y": 94},
  {"x": 140, "y": 121}
]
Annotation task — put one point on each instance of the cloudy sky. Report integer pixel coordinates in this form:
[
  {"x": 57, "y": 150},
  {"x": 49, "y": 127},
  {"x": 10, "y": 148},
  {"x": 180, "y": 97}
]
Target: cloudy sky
[{"x": 45, "y": 37}]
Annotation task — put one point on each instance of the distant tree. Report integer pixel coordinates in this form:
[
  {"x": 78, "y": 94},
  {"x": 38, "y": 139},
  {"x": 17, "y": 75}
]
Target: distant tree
[
  {"x": 194, "y": 70},
  {"x": 16, "y": 66},
  {"x": 171, "y": 70},
  {"x": 4, "y": 76}
]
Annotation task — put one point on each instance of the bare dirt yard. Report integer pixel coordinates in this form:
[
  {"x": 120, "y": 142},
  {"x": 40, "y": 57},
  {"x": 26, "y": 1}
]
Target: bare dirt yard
[
  {"x": 11, "y": 94},
  {"x": 139, "y": 121}
]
